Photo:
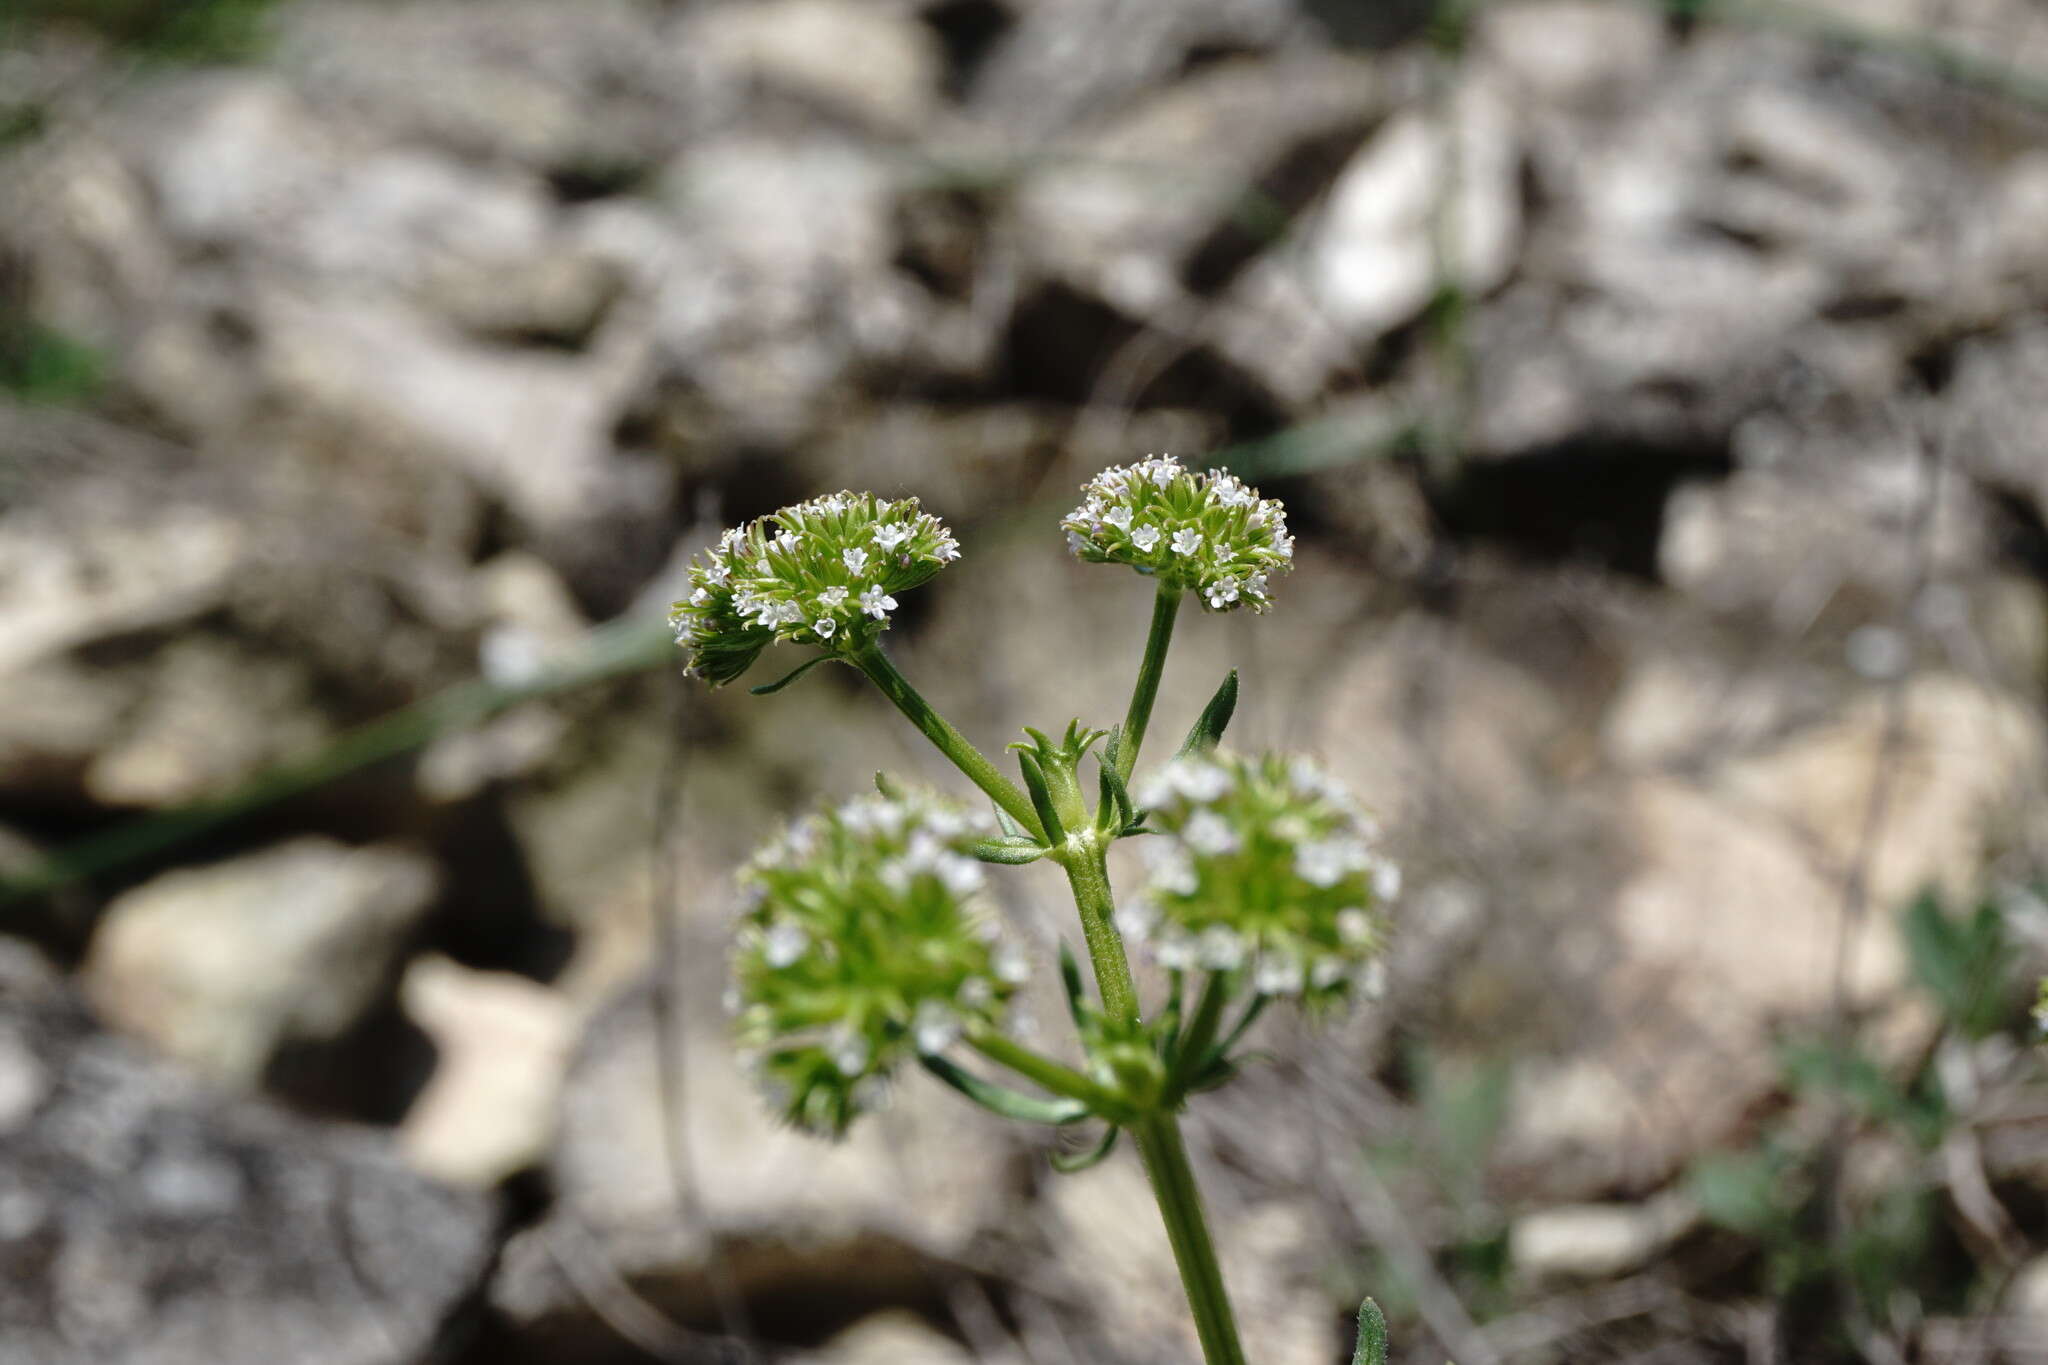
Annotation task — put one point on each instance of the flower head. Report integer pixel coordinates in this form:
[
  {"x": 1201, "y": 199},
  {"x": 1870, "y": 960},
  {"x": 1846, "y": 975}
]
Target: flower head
[
  {"x": 1264, "y": 865},
  {"x": 1208, "y": 532},
  {"x": 867, "y": 939},
  {"x": 821, "y": 572}
]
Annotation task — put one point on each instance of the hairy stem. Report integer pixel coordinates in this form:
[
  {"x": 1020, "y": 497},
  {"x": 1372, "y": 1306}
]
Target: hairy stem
[
  {"x": 1048, "y": 1074},
  {"x": 1164, "y": 608},
  {"x": 1088, "y": 874},
  {"x": 1180, "y": 1205},
  {"x": 883, "y": 674}
]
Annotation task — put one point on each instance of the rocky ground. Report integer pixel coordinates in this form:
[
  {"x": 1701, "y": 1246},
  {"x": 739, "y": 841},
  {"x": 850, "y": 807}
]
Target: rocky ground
[{"x": 1660, "y": 401}]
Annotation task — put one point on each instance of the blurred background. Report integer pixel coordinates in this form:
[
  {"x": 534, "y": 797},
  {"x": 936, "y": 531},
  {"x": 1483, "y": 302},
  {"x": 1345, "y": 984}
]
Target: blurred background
[{"x": 1659, "y": 393}]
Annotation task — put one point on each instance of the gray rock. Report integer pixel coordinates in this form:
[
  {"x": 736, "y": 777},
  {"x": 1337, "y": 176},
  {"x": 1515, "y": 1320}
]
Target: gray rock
[
  {"x": 223, "y": 965},
  {"x": 146, "y": 1219}
]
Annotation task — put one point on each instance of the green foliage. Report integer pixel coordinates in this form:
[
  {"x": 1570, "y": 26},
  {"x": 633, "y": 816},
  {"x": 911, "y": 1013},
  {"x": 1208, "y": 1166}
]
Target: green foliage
[
  {"x": 1782, "y": 1193},
  {"x": 196, "y": 31},
  {"x": 1964, "y": 962},
  {"x": 39, "y": 364}
]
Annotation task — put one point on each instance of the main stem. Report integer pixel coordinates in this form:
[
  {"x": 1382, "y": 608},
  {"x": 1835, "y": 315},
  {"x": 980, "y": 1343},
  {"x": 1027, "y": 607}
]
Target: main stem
[
  {"x": 1158, "y": 1133},
  {"x": 871, "y": 661},
  {"x": 1180, "y": 1204},
  {"x": 1164, "y": 608}
]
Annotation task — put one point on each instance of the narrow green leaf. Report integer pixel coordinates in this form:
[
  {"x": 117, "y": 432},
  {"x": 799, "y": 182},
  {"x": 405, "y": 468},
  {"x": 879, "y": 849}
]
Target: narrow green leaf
[
  {"x": 786, "y": 679},
  {"x": 1041, "y": 798},
  {"x": 1208, "y": 729},
  {"x": 1113, "y": 747},
  {"x": 1000, "y": 1099},
  {"x": 1077, "y": 999},
  {"x": 1011, "y": 851},
  {"x": 1008, "y": 824},
  {"x": 1372, "y": 1335},
  {"x": 1080, "y": 1161},
  {"x": 1117, "y": 796}
]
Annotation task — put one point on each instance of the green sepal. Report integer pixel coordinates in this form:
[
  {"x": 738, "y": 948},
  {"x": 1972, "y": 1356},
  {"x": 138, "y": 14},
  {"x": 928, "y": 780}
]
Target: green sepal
[
  {"x": 1041, "y": 797},
  {"x": 1008, "y": 824},
  {"x": 1251, "y": 1014},
  {"x": 1208, "y": 728},
  {"x": 1114, "y": 812},
  {"x": 1077, "y": 1000},
  {"x": 886, "y": 785},
  {"x": 1012, "y": 850},
  {"x": 1169, "y": 1019},
  {"x": 1372, "y": 1335},
  {"x": 1067, "y": 1164},
  {"x": 1000, "y": 1099},
  {"x": 765, "y": 689}
]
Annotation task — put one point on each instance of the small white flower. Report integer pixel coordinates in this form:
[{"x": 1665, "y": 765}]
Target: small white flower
[
  {"x": 832, "y": 597},
  {"x": 976, "y": 993},
  {"x": 876, "y": 603},
  {"x": 700, "y": 597},
  {"x": 720, "y": 571},
  {"x": 934, "y": 1027},
  {"x": 1011, "y": 965},
  {"x": 1277, "y": 974},
  {"x": 784, "y": 944},
  {"x": 1220, "y": 949},
  {"x": 1209, "y": 834},
  {"x": 1198, "y": 781},
  {"x": 1075, "y": 542},
  {"x": 1354, "y": 927},
  {"x": 1145, "y": 537},
  {"x": 962, "y": 876},
  {"x": 786, "y": 542},
  {"x": 1222, "y": 593},
  {"x": 1187, "y": 541},
  {"x": 1119, "y": 517},
  {"x": 825, "y": 626},
  {"x": 1386, "y": 880},
  {"x": 1163, "y": 470},
  {"x": 948, "y": 550},
  {"x": 1175, "y": 951},
  {"x": 1228, "y": 492},
  {"x": 887, "y": 538},
  {"x": 1327, "y": 972},
  {"x": 1172, "y": 869},
  {"x": 856, "y": 559},
  {"x": 849, "y": 1050},
  {"x": 1329, "y": 861},
  {"x": 1136, "y": 919}
]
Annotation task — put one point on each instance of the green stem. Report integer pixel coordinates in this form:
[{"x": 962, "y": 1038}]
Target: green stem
[
  {"x": 1164, "y": 607},
  {"x": 1047, "y": 1074},
  {"x": 1200, "y": 1037},
  {"x": 1180, "y": 1205},
  {"x": 870, "y": 660},
  {"x": 1088, "y": 874}
]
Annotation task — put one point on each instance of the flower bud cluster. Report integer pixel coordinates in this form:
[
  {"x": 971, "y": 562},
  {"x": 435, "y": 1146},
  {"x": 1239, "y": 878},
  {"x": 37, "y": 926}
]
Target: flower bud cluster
[
  {"x": 1266, "y": 866},
  {"x": 823, "y": 572},
  {"x": 867, "y": 939},
  {"x": 1208, "y": 532}
]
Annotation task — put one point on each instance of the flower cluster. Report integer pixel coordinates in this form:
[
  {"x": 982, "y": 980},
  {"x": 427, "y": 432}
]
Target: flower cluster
[
  {"x": 1263, "y": 865},
  {"x": 866, "y": 939},
  {"x": 1209, "y": 532},
  {"x": 823, "y": 572}
]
